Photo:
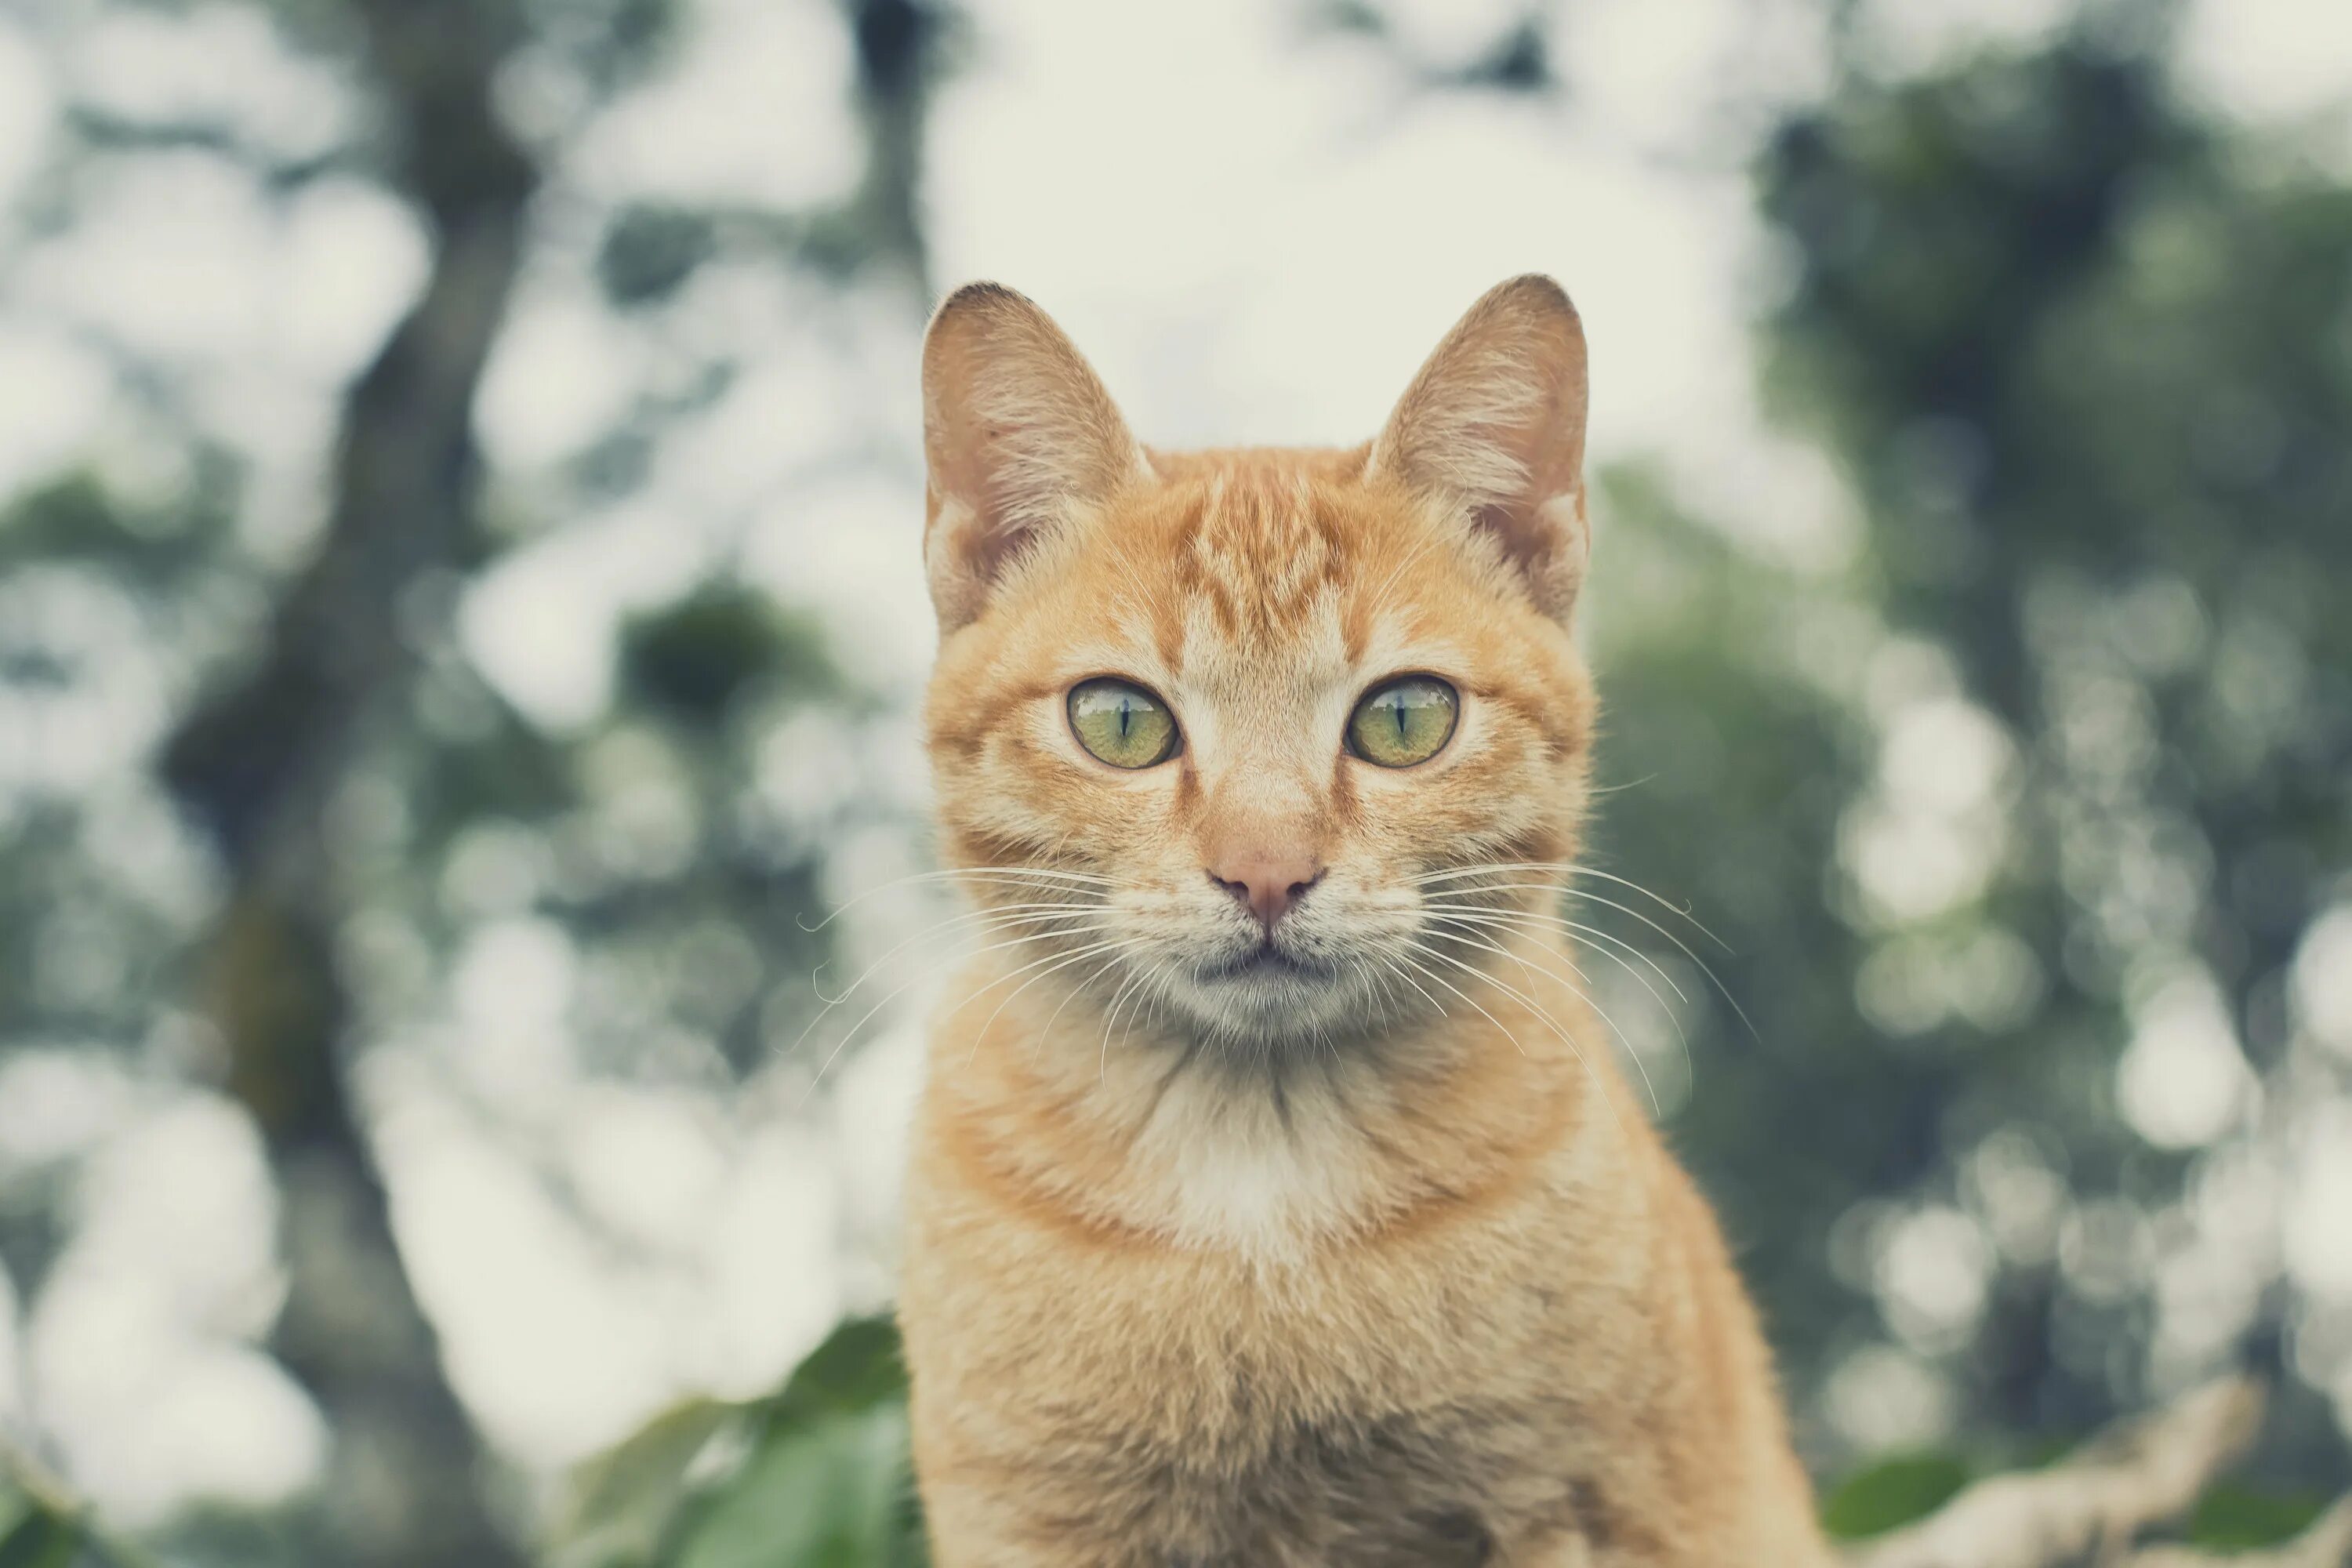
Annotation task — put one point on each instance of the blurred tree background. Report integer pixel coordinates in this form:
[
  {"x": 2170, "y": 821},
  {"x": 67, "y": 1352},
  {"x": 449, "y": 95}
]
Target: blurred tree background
[{"x": 370, "y": 930}]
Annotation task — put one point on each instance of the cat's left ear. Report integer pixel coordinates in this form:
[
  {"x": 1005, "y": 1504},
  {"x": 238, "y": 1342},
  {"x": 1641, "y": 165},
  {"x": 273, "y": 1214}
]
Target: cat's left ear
[
  {"x": 1018, "y": 434},
  {"x": 1494, "y": 427}
]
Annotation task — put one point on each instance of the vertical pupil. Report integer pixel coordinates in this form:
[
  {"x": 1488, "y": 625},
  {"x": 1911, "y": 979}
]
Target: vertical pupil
[
  {"x": 1126, "y": 708},
  {"x": 1396, "y": 706}
]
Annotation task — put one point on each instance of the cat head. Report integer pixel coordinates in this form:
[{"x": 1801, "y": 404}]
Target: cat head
[{"x": 1229, "y": 729}]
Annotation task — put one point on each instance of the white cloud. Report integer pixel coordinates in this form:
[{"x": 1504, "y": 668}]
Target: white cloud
[
  {"x": 107, "y": 702},
  {"x": 540, "y": 624},
  {"x": 648, "y": 1160},
  {"x": 172, "y": 256},
  {"x": 772, "y": 1262}
]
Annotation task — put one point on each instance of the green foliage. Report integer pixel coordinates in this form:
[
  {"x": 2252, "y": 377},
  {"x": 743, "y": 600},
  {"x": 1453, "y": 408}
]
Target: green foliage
[
  {"x": 1892, "y": 1493},
  {"x": 42, "y": 1525},
  {"x": 1904, "y": 1489},
  {"x": 2082, "y": 359},
  {"x": 2085, "y": 360},
  {"x": 152, "y": 546},
  {"x": 650, "y": 251},
  {"x": 2235, "y": 1517},
  {"x": 818, "y": 1477},
  {"x": 693, "y": 659},
  {"x": 34, "y": 1537},
  {"x": 623, "y": 1503},
  {"x": 1715, "y": 713}
]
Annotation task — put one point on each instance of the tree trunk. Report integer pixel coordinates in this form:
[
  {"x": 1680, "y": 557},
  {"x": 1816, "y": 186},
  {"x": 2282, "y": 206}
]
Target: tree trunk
[{"x": 255, "y": 766}]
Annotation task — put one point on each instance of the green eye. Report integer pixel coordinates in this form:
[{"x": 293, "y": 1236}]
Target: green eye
[
  {"x": 1124, "y": 725},
  {"x": 1403, "y": 722}
]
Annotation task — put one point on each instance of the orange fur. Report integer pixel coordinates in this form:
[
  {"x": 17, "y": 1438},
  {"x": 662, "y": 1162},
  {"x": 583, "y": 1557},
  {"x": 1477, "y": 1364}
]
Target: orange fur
[{"x": 1336, "y": 1240}]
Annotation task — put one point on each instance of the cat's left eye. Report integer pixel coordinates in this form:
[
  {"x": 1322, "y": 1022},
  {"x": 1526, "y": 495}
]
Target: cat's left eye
[
  {"x": 1121, "y": 723},
  {"x": 1404, "y": 721}
]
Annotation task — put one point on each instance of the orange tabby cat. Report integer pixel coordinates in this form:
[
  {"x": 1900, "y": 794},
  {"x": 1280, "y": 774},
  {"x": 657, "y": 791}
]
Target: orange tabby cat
[{"x": 1275, "y": 1199}]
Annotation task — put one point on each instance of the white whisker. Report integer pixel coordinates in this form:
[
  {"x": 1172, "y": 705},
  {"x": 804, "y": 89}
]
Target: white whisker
[
  {"x": 1409, "y": 980},
  {"x": 1591, "y": 1076},
  {"x": 842, "y": 1044},
  {"x": 968, "y": 916},
  {"x": 1571, "y": 869},
  {"x": 1577, "y": 991},
  {"x": 1074, "y": 880},
  {"x": 1052, "y": 965},
  {"x": 825, "y": 1011},
  {"x": 1134, "y": 981},
  {"x": 1512, "y": 921},
  {"x": 1682, "y": 946}
]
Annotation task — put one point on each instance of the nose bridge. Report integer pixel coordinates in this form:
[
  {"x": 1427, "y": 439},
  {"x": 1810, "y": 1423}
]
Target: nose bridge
[
  {"x": 1260, "y": 837},
  {"x": 1257, "y": 802},
  {"x": 1262, "y": 820}
]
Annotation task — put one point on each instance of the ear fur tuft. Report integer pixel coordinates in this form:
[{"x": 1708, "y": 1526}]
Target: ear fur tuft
[
  {"x": 1493, "y": 426},
  {"x": 1017, "y": 433}
]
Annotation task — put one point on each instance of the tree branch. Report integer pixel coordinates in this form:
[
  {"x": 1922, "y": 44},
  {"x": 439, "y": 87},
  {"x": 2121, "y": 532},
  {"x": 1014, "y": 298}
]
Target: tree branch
[
  {"x": 898, "y": 47},
  {"x": 2327, "y": 1545},
  {"x": 2092, "y": 1508},
  {"x": 258, "y": 764}
]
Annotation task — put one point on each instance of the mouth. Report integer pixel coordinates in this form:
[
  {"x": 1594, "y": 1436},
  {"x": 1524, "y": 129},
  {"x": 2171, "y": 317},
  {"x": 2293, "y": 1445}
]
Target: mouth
[
  {"x": 1265, "y": 960},
  {"x": 1270, "y": 995}
]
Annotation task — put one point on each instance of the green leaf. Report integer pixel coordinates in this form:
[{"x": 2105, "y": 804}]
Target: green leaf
[
  {"x": 621, "y": 1502},
  {"x": 829, "y": 1482},
  {"x": 823, "y": 1480},
  {"x": 1891, "y": 1493},
  {"x": 2235, "y": 1516},
  {"x": 39, "y": 1539},
  {"x": 857, "y": 1368},
  {"x": 831, "y": 1492}
]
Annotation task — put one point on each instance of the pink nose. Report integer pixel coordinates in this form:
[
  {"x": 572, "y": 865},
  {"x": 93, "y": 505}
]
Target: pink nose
[{"x": 1266, "y": 882}]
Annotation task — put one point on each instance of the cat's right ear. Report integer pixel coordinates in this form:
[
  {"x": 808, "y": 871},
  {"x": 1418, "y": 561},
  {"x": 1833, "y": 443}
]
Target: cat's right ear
[{"x": 1018, "y": 434}]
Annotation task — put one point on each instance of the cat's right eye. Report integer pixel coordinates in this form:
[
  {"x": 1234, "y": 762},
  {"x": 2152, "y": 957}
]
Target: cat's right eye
[{"x": 1121, "y": 723}]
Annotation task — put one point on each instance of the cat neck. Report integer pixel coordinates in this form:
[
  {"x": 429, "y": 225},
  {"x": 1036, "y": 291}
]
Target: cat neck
[{"x": 1274, "y": 1148}]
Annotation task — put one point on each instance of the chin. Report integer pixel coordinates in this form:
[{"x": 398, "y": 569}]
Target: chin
[{"x": 1269, "y": 1000}]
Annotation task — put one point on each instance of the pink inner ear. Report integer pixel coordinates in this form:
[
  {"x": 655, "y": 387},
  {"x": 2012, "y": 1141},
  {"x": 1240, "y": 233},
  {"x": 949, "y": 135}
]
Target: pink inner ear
[
  {"x": 1526, "y": 547},
  {"x": 1548, "y": 544},
  {"x": 1005, "y": 520}
]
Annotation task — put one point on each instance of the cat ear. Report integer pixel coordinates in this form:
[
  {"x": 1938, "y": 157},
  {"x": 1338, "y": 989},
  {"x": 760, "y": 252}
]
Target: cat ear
[
  {"x": 1018, "y": 433},
  {"x": 1494, "y": 427}
]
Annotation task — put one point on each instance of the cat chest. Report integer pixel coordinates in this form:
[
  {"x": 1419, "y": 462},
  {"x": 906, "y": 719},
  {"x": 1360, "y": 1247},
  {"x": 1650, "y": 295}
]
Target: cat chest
[
  {"x": 1223, "y": 1441},
  {"x": 1403, "y": 1404},
  {"x": 1434, "y": 1490}
]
